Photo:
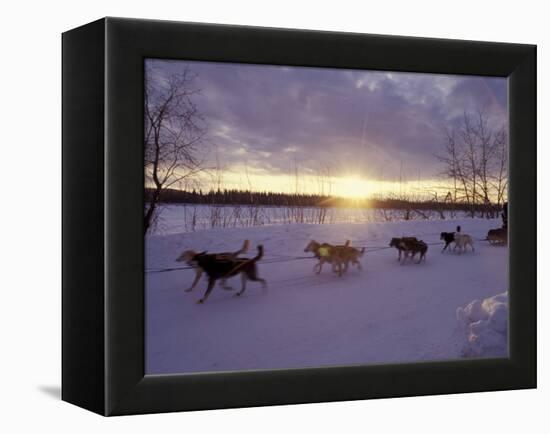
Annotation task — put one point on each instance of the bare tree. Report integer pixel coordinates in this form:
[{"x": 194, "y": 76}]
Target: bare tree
[
  {"x": 475, "y": 160},
  {"x": 461, "y": 185},
  {"x": 499, "y": 180},
  {"x": 470, "y": 159},
  {"x": 486, "y": 151},
  {"x": 174, "y": 131}
]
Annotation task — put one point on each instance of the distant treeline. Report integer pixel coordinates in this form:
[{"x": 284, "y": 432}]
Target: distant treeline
[{"x": 251, "y": 198}]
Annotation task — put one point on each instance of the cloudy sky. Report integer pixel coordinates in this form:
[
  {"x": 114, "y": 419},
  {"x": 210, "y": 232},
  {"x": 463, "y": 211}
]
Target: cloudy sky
[{"x": 365, "y": 128}]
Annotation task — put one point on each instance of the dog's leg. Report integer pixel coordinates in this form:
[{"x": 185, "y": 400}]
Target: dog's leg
[
  {"x": 211, "y": 284},
  {"x": 321, "y": 262},
  {"x": 243, "y": 285},
  {"x": 253, "y": 275},
  {"x": 224, "y": 285},
  {"x": 262, "y": 281},
  {"x": 197, "y": 278},
  {"x": 255, "y": 278}
]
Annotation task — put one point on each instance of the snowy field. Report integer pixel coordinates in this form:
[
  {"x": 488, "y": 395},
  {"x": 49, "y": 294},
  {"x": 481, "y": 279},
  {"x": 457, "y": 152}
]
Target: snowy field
[
  {"x": 386, "y": 313},
  {"x": 177, "y": 218}
]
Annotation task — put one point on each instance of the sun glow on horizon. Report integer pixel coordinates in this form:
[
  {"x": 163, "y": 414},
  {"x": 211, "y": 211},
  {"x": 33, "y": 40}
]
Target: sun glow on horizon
[{"x": 352, "y": 186}]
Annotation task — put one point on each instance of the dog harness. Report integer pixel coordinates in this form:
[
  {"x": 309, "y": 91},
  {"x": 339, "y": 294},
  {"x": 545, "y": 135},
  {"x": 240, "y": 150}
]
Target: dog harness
[{"x": 324, "y": 251}]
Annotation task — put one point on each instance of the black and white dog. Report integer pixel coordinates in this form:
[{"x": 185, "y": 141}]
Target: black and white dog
[
  {"x": 448, "y": 237},
  {"x": 222, "y": 268},
  {"x": 188, "y": 255}
]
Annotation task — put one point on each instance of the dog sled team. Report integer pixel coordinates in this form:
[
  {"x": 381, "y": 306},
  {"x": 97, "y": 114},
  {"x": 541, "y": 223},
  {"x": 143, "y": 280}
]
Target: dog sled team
[{"x": 224, "y": 265}]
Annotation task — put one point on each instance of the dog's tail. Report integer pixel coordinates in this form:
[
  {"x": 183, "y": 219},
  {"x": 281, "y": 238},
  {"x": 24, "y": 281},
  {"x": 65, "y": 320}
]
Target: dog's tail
[
  {"x": 260, "y": 254},
  {"x": 361, "y": 251},
  {"x": 247, "y": 261},
  {"x": 243, "y": 249},
  {"x": 348, "y": 242}
]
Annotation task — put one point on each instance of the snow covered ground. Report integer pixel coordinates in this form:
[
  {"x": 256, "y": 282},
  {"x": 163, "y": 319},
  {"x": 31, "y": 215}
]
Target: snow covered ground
[
  {"x": 485, "y": 325},
  {"x": 386, "y": 313},
  {"x": 177, "y": 218}
]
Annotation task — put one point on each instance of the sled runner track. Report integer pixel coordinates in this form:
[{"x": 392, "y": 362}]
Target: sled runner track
[{"x": 281, "y": 258}]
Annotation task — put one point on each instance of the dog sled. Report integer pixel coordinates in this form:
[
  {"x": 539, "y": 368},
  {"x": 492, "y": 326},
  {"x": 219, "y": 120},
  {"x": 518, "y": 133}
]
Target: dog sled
[{"x": 498, "y": 236}]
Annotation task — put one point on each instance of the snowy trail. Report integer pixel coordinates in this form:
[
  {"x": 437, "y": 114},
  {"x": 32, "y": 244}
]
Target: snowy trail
[{"x": 385, "y": 313}]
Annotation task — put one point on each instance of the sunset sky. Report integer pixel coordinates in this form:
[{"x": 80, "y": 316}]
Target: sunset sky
[{"x": 362, "y": 129}]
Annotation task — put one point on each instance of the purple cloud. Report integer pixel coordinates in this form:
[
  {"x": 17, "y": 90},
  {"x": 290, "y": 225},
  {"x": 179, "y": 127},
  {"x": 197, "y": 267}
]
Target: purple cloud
[{"x": 354, "y": 121}]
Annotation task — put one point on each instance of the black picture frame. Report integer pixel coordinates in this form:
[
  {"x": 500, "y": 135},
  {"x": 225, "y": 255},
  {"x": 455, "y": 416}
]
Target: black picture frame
[{"x": 103, "y": 244}]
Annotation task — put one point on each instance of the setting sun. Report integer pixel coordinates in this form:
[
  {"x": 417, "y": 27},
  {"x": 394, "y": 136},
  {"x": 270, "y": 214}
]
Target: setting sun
[{"x": 352, "y": 187}]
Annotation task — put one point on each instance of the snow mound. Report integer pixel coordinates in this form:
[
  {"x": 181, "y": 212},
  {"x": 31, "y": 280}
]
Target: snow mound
[{"x": 485, "y": 324}]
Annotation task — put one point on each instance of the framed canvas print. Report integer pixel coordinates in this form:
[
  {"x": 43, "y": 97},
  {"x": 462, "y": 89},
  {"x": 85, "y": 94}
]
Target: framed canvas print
[{"x": 258, "y": 216}]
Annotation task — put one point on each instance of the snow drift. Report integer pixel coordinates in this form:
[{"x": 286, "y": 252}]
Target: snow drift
[{"x": 485, "y": 324}]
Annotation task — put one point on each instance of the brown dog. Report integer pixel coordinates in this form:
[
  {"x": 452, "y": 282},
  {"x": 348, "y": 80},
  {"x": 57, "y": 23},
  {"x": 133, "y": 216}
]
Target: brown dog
[
  {"x": 415, "y": 247},
  {"x": 401, "y": 244},
  {"x": 339, "y": 256},
  {"x": 409, "y": 247}
]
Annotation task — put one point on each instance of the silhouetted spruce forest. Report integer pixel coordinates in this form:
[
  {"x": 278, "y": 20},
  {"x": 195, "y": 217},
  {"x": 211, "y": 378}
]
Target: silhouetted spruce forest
[{"x": 245, "y": 197}]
